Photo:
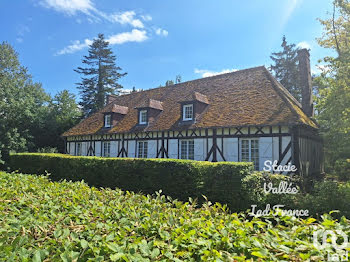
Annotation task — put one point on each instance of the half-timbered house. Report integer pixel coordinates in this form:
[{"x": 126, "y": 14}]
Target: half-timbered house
[{"x": 245, "y": 115}]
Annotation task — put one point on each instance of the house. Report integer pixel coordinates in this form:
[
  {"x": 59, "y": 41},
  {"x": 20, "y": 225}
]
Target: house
[{"x": 245, "y": 115}]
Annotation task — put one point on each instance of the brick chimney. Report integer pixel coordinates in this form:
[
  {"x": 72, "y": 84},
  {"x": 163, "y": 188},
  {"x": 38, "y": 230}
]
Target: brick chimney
[
  {"x": 305, "y": 81},
  {"x": 110, "y": 99}
]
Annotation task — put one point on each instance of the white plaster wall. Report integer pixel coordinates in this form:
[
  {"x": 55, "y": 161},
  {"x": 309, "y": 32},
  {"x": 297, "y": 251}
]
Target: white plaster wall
[
  {"x": 152, "y": 149},
  {"x": 285, "y": 142},
  {"x": 265, "y": 150},
  {"x": 275, "y": 153},
  {"x": 172, "y": 150},
  {"x": 199, "y": 149},
  {"x": 98, "y": 148},
  {"x": 114, "y": 148},
  {"x": 231, "y": 149},
  {"x": 131, "y": 150},
  {"x": 84, "y": 148},
  {"x": 71, "y": 148},
  {"x": 210, "y": 144},
  {"x": 219, "y": 144}
]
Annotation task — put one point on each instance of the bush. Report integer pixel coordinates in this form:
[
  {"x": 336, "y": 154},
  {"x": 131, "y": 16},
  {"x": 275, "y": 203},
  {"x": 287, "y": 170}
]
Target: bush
[
  {"x": 179, "y": 179},
  {"x": 326, "y": 196},
  {"x": 254, "y": 193},
  {"x": 42, "y": 220},
  {"x": 342, "y": 169}
]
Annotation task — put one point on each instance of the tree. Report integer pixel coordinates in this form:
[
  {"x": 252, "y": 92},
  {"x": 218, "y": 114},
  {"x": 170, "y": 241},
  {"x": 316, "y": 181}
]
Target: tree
[
  {"x": 99, "y": 77},
  {"x": 21, "y": 102},
  {"x": 333, "y": 100},
  {"x": 169, "y": 83},
  {"x": 285, "y": 68},
  {"x": 63, "y": 113}
]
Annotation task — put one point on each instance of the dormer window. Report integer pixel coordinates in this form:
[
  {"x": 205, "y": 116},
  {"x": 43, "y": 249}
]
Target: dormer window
[
  {"x": 108, "y": 121},
  {"x": 143, "y": 117},
  {"x": 187, "y": 112}
]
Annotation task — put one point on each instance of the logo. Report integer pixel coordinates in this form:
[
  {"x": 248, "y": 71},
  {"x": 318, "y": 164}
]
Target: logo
[{"x": 340, "y": 254}]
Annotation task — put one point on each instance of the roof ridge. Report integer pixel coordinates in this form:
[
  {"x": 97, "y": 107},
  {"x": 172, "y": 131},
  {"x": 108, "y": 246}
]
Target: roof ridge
[{"x": 194, "y": 80}]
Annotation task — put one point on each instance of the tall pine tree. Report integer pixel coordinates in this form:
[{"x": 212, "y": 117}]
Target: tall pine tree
[
  {"x": 99, "y": 77},
  {"x": 285, "y": 68}
]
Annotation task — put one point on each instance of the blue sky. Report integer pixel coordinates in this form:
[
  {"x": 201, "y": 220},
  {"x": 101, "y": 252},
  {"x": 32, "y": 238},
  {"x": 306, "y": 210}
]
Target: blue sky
[{"x": 156, "y": 40}]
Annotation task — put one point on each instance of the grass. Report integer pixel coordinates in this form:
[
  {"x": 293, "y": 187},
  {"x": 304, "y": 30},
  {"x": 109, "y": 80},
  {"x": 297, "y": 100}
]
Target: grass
[{"x": 42, "y": 220}]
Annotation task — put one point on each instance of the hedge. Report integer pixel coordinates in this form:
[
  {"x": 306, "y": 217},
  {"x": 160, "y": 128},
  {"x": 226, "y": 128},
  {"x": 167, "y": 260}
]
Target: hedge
[
  {"x": 41, "y": 220},
  {"x": 180, "y": 179}
]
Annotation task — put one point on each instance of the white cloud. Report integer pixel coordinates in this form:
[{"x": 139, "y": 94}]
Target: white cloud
[
  {"x": 163, "y": 32},
  {"x": 208, "y": 73},
  {"x": 286, "y": 14},
  {"x": 19, "y": 39},
  {"x": 146, "y": 18},
  {"x": 134, "y": 36},
  {"x": 304, "y": 44},
  {"x": 318, "y": 69},
  {"x": 76, "y": 46},
  {"x": 127, "y": 17},
  {"x": 69, "y": 7}
]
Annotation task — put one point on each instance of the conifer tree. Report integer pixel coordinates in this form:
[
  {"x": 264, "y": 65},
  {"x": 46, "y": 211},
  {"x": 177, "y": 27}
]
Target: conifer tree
[
  {"x": 99, "y": 77},
  {"x": 285, "y": 68}
]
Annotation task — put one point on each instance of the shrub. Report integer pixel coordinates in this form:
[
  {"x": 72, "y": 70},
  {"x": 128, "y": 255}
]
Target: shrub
[
  {"x": 326, "y": 196},
  {"x": 179, "y": 179},
  {"x": 342, "y": 169},
  {"x": 254, "y": 193},
  {"x": 42, "y": 220}
]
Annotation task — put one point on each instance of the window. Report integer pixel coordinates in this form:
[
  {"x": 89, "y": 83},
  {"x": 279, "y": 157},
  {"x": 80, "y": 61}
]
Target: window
[
  {"x": 187, "y": 112},
  {"x": 142, "y": 149},
  {"x": 106, "y": 149},
  {"x": 78, "y": 149},
  {"x": 187, "y": 149},
  {"x": 143, "y": 117},
  {"x": 107, "y": 120},
  {"x": 250, "y": 151}
]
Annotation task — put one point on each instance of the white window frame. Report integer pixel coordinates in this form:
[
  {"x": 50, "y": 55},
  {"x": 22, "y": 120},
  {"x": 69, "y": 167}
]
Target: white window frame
[
  {"x": 187, "y": 149},
  {"x": 78, "y": 149},
  {"x": 108, "y": 120},
  {"x": 249, "y": 151},
  {"x": 142, "y": 149},
  {"x": 185, "y": 116},
  {"x": 141, "y": 114},
  {"x": 106, "y": 148}
]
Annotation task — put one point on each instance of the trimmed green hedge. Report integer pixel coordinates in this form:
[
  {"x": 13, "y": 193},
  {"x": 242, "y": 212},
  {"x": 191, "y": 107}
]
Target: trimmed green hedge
[
  {"x": 179, "y": 179},
  {"x": 41, "y": 220}
]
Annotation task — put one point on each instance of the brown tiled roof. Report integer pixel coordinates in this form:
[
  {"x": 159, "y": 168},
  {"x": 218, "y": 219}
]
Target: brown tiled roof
[
  {"x": 242, "y": 98},
  {"x": 151, "y": 103},
  {"x": 123, "y": 110}
]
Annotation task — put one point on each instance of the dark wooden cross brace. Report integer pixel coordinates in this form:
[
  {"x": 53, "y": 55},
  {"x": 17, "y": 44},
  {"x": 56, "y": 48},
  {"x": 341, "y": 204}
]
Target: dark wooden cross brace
[
  {"x": 281, "y": 157},
  {"x": 214, "y": 149},
  {"x": 162, "y": 151}
]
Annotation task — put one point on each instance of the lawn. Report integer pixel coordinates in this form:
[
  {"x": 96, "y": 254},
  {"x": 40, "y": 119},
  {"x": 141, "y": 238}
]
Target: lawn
[{"x": 41, "y": 220}]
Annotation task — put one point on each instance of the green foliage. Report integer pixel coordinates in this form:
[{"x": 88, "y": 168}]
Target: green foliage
[
  {"x": 62, "y": 113},
  {"x": 29, "y": 118},
  {"x": 333, "y": 100},
  {"x": 179, "y": 179},
  {"x": 42, "y": 220},
  {"x": 253, "y": 188},
  {"x": 285, "y": 68},
  {"x": 342, "y": 169},
  {"x": 48, "y": 150},
  {"x": 326, "y": 196},
  {"x": 100, "y": 77},
  {"x": 21, "y": 103}
]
